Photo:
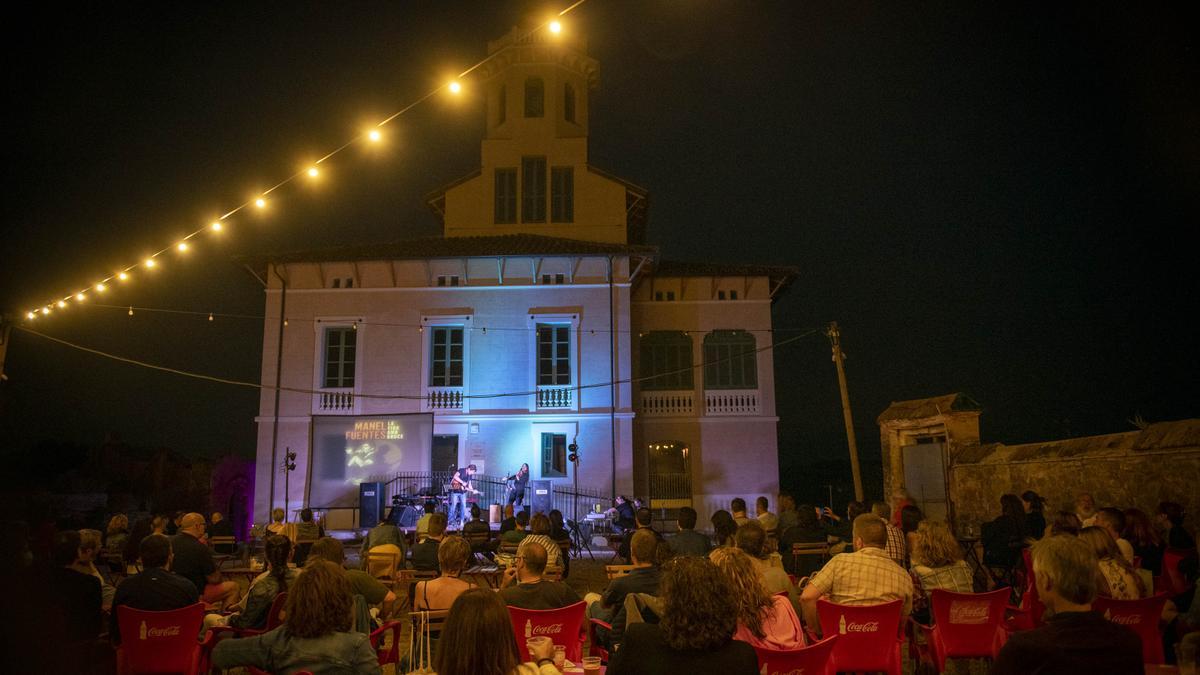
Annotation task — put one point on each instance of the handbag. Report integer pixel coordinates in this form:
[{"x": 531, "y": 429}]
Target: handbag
[{"x": 420, "y": 659}]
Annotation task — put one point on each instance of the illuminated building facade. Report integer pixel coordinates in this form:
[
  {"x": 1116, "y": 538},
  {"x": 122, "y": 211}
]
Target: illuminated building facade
[{"x": 539, "y": 319}]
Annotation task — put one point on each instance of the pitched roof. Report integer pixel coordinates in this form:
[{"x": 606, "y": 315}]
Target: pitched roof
[
  {"x": 920, "y": 408},
  {"x": 1158, "y": 437},
  {"x": 453, "y": 247}
]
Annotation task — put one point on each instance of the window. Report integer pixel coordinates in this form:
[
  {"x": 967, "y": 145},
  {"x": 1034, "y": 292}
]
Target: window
[
  {"x": 660, "y": 296},
  {"x": 506, "y": 196},
  {"x": 535, "y": 97},
  {"x": 727, "y": 295},
  {"x": 733, "y": 295},
  {"x": 667, "y": 357},
  {"x": 337, "y": 282},
  {"x": 502, "y": 105},
  {"x": 720, "y": 295},
  {"x": 555, "y": 279},
  {"x": 448, "y": 280},
  {"x": 569, "y": 102},
  {"x": 553, "y": 354},
  {"x": 339, "y": 357},
  {"x": 554, "y": 455},
  {"x": 730, "y": 360},
  {"x": 446, "y": 356},
  {"x": 562, "y": 194},
  {"x": 533, "y": 190}
]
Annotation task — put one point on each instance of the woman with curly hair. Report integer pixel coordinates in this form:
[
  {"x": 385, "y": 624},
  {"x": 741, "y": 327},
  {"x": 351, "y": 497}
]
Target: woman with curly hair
[
  {"x": 116, "y": 534},
  {"x": 477, "y": 639},
  {"x": 937, "y": 562},
  {"x": 695, "y": 634},
  {"x": 763, "y": 619},
  {"x": 317, "y": 636}
]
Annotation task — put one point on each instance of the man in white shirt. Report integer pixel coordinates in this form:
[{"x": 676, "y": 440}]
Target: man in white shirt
[
  {"x": 768, "y": 520},
  {"x": 1085, "y": 508}
]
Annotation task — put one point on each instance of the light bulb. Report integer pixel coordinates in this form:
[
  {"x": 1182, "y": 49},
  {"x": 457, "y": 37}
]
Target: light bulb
[
  {"x": 131, "y": 310},
  {"x": 30, "y": 315},
  {"x": 313, "y": 172},
  {"x": 100, "y": 288},
  {"x": 260, "y": 202},
  {"x": 555, "y": 27},
  {"x": 216, "y": 226},
  {"x": 210, "y": 316},
  {"x": 374, "y": 135},
  {"x": 61, "y": 304},
  {"x": 150, "y": 262},
  {"x": 182, "y": 246},
  {"x": 455, "y": 87},
  {"x": 79, "y": 297},
  {"x": 122, "y": 276}
]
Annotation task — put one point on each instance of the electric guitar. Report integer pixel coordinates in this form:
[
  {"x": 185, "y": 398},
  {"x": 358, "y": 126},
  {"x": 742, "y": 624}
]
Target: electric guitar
[{"x": 456, "y": 483}]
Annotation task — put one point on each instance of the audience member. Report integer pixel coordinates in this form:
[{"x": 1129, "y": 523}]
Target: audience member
[
  {"x": 1113, "y": 522},
  {"x": 643, "y": 518},
  {"x": 277, "y": 526},
  {"x": 841, "y": 528},
  {"x": 361, "y": 583},
  {"x": 539, "y": 532},
  {"x": 610, "y": 607},
  {"x": 441, "y": 592},
  {"x": 159, "y": 525},
  {"x": 865, "y": 577},
  {"x": 900, "y": 499},
  {"x": 688, "y": 541},
  {"x": 1004, "y": 537},
  {"x": 937, "y": 562},
  {"x": 896, "y": 547},
  {"x": 738, "y": 507},
  {"x": 768, "y": 520},
  {"x": 1115, "y": 576},
  {"x": 308, "y": 529},
  {"x": 476, "y": 525},
  {"x": 1085, "y": 509},
  {"x": 1144, "y": 538},
  {"x": 910, "y": 518},
  {"x": 558, "y": 529},
  {"x": 423, "y": 522},
  {"x": 1035, "y": 517},
  {"x": 479, "y": 622},
  {"x": 807, "y": 530},
  {"x": 194, "y": 562},
  {"x": 141, "y": 529},
  {"x": 787, "y": 511},
  {"x": 1074, "y": 639},
  {"x": 317, "y": 635},
  {"x": 524, "y": 586},
  {"x": 751, "y": 538},
  {"x": 724, "y": 527},
  {"x": 219, "y": 526},
  {"x": 1170, "y": 518},
  {"x": 623, "y": 513},
  {"x": 695, "y": 633},
  {"x": 515, "y": 535},
  {"x": 764, "y": 619},
  {"x": 73, "y": 597},
  {"x": 155, "y": 588},
  {"x": 262, "y": 592},
  {"x": 1064, "y": 522},
  {"x": 386, "y": 532},
  {"x": 116, "y": 534},
  {"x": 89, "y": 550},
  {"x": 509, "y": 522},
  {"x": 174, "y": 522},
  {"x": 425, "y": 551}
]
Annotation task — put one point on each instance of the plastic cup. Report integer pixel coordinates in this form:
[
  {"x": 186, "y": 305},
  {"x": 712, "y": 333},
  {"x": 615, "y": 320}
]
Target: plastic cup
[
  {"x": 560, "y": 657},
  {"x": 591, "y": 664},
  {"x": 534, "y": 642}
]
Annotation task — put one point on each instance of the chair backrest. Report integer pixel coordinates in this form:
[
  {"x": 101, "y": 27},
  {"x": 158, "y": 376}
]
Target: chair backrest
[
  {"x": 868, "y": 633},
  {"x": 383, "y": 560},
  {"x": 553, "y": 573},
  {"x": 1029, "y": 599},
  {"x": 815, "y": 659},
  {"x": 277, "y": 614},
  {"x": 1142, "y": 617},
  {"x": 1178, "y": 583},
  {"x": 614, "y": 571},
  {"x": 966, "y": 623},
  {"x": 160, "y": 642},
  {"x": 508, "y": 547},
  {"x": 564, "y": 626},
  {"x": 219, "y": 541},
  {"x": 477, "y": 537},
  {"x": 385, "y": 640}
]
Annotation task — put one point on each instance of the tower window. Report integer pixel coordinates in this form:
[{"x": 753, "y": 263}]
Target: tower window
[
  {"x": 533, "y": 189},
  {"x": 535, "y": 97},
  {"x": 502, "y": 104},
  {"x": 562, "y": 194},
  {"x": 568, "y": 102},
  {"x": 506, "y": 196}
]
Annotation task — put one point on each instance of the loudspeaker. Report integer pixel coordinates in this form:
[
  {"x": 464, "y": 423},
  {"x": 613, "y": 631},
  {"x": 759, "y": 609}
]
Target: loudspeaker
[
  {"x": 370, "y": 502},
  {"x": 541, "y": 495},
  {"x": 404, "y": 516}
]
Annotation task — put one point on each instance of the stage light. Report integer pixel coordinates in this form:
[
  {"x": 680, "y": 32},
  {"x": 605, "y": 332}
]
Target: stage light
[
  {"x": 455, "y": 87},
  {"x": 216, "y": 227},
  {"x": 260, "y": 202},
  {"x": 149, "y": 262},
  {"x": 374, "y": 135},
  {"x": 313, "y": 173},
  {"x": 100, "y": 288},
  {"x": 122, "y": 276},
  {"x": 555, "y": 27},
  {"x": 183, "y": 247}
]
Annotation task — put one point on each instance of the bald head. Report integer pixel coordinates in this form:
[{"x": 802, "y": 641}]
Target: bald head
[{"x": 192, "y": 523}]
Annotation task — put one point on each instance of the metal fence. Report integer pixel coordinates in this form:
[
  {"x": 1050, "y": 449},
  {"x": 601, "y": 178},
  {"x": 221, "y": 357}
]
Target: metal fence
[{"x": 494, "y": 490}]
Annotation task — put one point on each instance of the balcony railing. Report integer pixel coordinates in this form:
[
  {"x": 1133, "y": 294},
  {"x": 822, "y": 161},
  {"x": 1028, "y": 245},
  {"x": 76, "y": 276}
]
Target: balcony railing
[
  {"x": 444, "y": 398},
  {"x": 731, "y": 402},
  {"x": 554, "y": 397},
  {"x": 667, "y": 403},
  {"x": 335, "y": 401}
]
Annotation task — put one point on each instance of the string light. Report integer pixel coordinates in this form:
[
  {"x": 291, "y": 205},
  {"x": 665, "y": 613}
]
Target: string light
[
  {"x": 374, "y": 135},
  {"x": 62, "y": 304},
  {"x": 80, "y": 297},
  {"x": 30, "y": 315},
  {"x": 131, "y": 310},
  {"x": 210, "y": 316}
]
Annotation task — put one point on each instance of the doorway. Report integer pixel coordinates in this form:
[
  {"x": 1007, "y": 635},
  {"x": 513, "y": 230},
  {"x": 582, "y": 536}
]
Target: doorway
[
  {"x": 925, "y": 476},
  {"x": 443, "y": 454}
]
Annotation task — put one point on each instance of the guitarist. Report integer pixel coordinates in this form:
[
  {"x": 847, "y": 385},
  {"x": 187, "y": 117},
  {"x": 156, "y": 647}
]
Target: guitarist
[{"x": 460, "y": 485}]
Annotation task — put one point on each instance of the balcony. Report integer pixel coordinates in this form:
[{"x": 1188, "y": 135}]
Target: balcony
[
  {"x": 444, "y": 399},
  {"x": 731, "y": 402},
  {"x": 334, "y": 402},
  {"x": 668, "y": 403},
  {"x": 554, "y": 397}
]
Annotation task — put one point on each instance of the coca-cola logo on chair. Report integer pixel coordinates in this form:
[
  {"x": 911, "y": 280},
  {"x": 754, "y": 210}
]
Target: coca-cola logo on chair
[
  {"x": 857, "y": 626},
  {"x": 969, "y": 612},
  {"x": 164, "y": 631},
  {"x": 548, "y": 629}
]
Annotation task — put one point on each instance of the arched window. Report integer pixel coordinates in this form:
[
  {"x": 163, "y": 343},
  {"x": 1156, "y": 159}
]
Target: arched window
[
  {"x": 502, "y": 104},
  {"x": 568, "y": 102},
  {"x": 730, "y": 360},
  {"x": 667, "y": 358},
  {"x": 535, "y": 97}
]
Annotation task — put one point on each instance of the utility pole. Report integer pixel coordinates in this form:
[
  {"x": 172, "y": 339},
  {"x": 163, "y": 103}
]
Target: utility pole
[{"x": 834, "y": 336}]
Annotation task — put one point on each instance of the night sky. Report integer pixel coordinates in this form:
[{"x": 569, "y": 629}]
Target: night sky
[{"x": 989, "y": 199}]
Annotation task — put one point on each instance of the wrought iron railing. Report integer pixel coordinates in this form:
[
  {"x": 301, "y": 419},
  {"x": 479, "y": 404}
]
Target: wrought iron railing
[{"x": 494, "y": 490}]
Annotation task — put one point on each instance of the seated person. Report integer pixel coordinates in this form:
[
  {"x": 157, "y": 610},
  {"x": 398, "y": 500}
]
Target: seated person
[
  {"x": 318, "y": 635},
  {"x": 643, "y": 517},
  {"x": 423, "y": 522},
  {"x": 361, "y": 583},
  {"x": 194, "y": 561},
  {"x": 385, "y": 532},
  {"x": 425, "y": 552},
  {"x": 752, "y": 539},
  {"x": 277, "y": 526},
  {"x": 1074, "y": 639},
  {"x": 524, "y": 586},
  {"x": 509, "y": 522},
  {"x": 688, "y": 541},
  {"x": 807, "y": 530},
  {"x": 155, "y": 588},
  {"x": 278, "y": 550},
  {"x": 768, "y": 520},
  {"x": 1117, "y": 578},
  {"x": 116, "y": 535},
  {"x": 622, "y": 512},
  {"x": 480, "y": 619},
  {"x": 539, "y": 531},
  {"x": 515, "y": 535},
  {"x": 738, "y": 507},
  {"x": 937, "y": 562},
  {"x": 89, "y": 550},
  {"x": 441, "y": 592},
  {"x": 219, "y": 526},
  {"x": 764, "y": 619},
  {"x": 73, "y": 597},
  {"x": 610, "y": 607}
]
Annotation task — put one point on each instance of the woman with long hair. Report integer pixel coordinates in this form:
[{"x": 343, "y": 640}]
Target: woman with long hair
[
  {"x": 1064, "y": 522},
  {"x": 937, "y": 562},
  {"x": 763, "y": 619},
  {"x": 724, "y": 527},
  {"x": 116, "y": 534},
  {"x": 477, "y": 639},
  {"x": 1004, "y": 537},
  {"x": 695, "y": 633},
  {"x": 1116, "y": 578},
  {"x": 317, "y": 635},
  {"x": 1035, "y": 517},
  {"x": 1143, "y": 536},
  {"x": 440, "y": 593},
  {"x": 264, "y": 588}
]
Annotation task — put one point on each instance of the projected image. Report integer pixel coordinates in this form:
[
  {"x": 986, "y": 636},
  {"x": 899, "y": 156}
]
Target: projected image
[{"x": 350, "y": 450}]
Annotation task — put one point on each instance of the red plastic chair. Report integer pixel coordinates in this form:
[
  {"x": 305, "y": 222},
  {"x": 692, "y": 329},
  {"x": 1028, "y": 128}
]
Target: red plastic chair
[
  {"x": 869, "y": 635},
  {"x": 387, "y": 651},
  {"x": 1142, "y": 617},
  {"x": 1029, "y": 614},
  {"x": 1172, "y": 580},
  {"x": 159, "y": 642},
  {"x": 564, "y": 626},
  {"x": 966, "y": 625},
  {"x": 594, "y": 646},
  {"x": 815, "y": 659}
]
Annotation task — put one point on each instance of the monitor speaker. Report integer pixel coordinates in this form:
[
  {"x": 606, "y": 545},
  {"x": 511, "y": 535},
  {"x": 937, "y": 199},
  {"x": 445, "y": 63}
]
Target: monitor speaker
[
  {"x": 541, "y": 495},
  {"x": 370, "y": 501}
]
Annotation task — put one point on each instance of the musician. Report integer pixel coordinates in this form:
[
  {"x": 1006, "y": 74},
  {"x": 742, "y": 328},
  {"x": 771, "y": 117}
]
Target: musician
[
  {"x": 516, "y": 493},
  {"x": 622, "y": 513},
  {"x": 460, "y": 485}
]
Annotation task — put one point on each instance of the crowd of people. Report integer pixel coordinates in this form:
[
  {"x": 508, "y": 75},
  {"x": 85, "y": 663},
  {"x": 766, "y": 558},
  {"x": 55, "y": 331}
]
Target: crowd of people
[{"x": 687, "y": 600}]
